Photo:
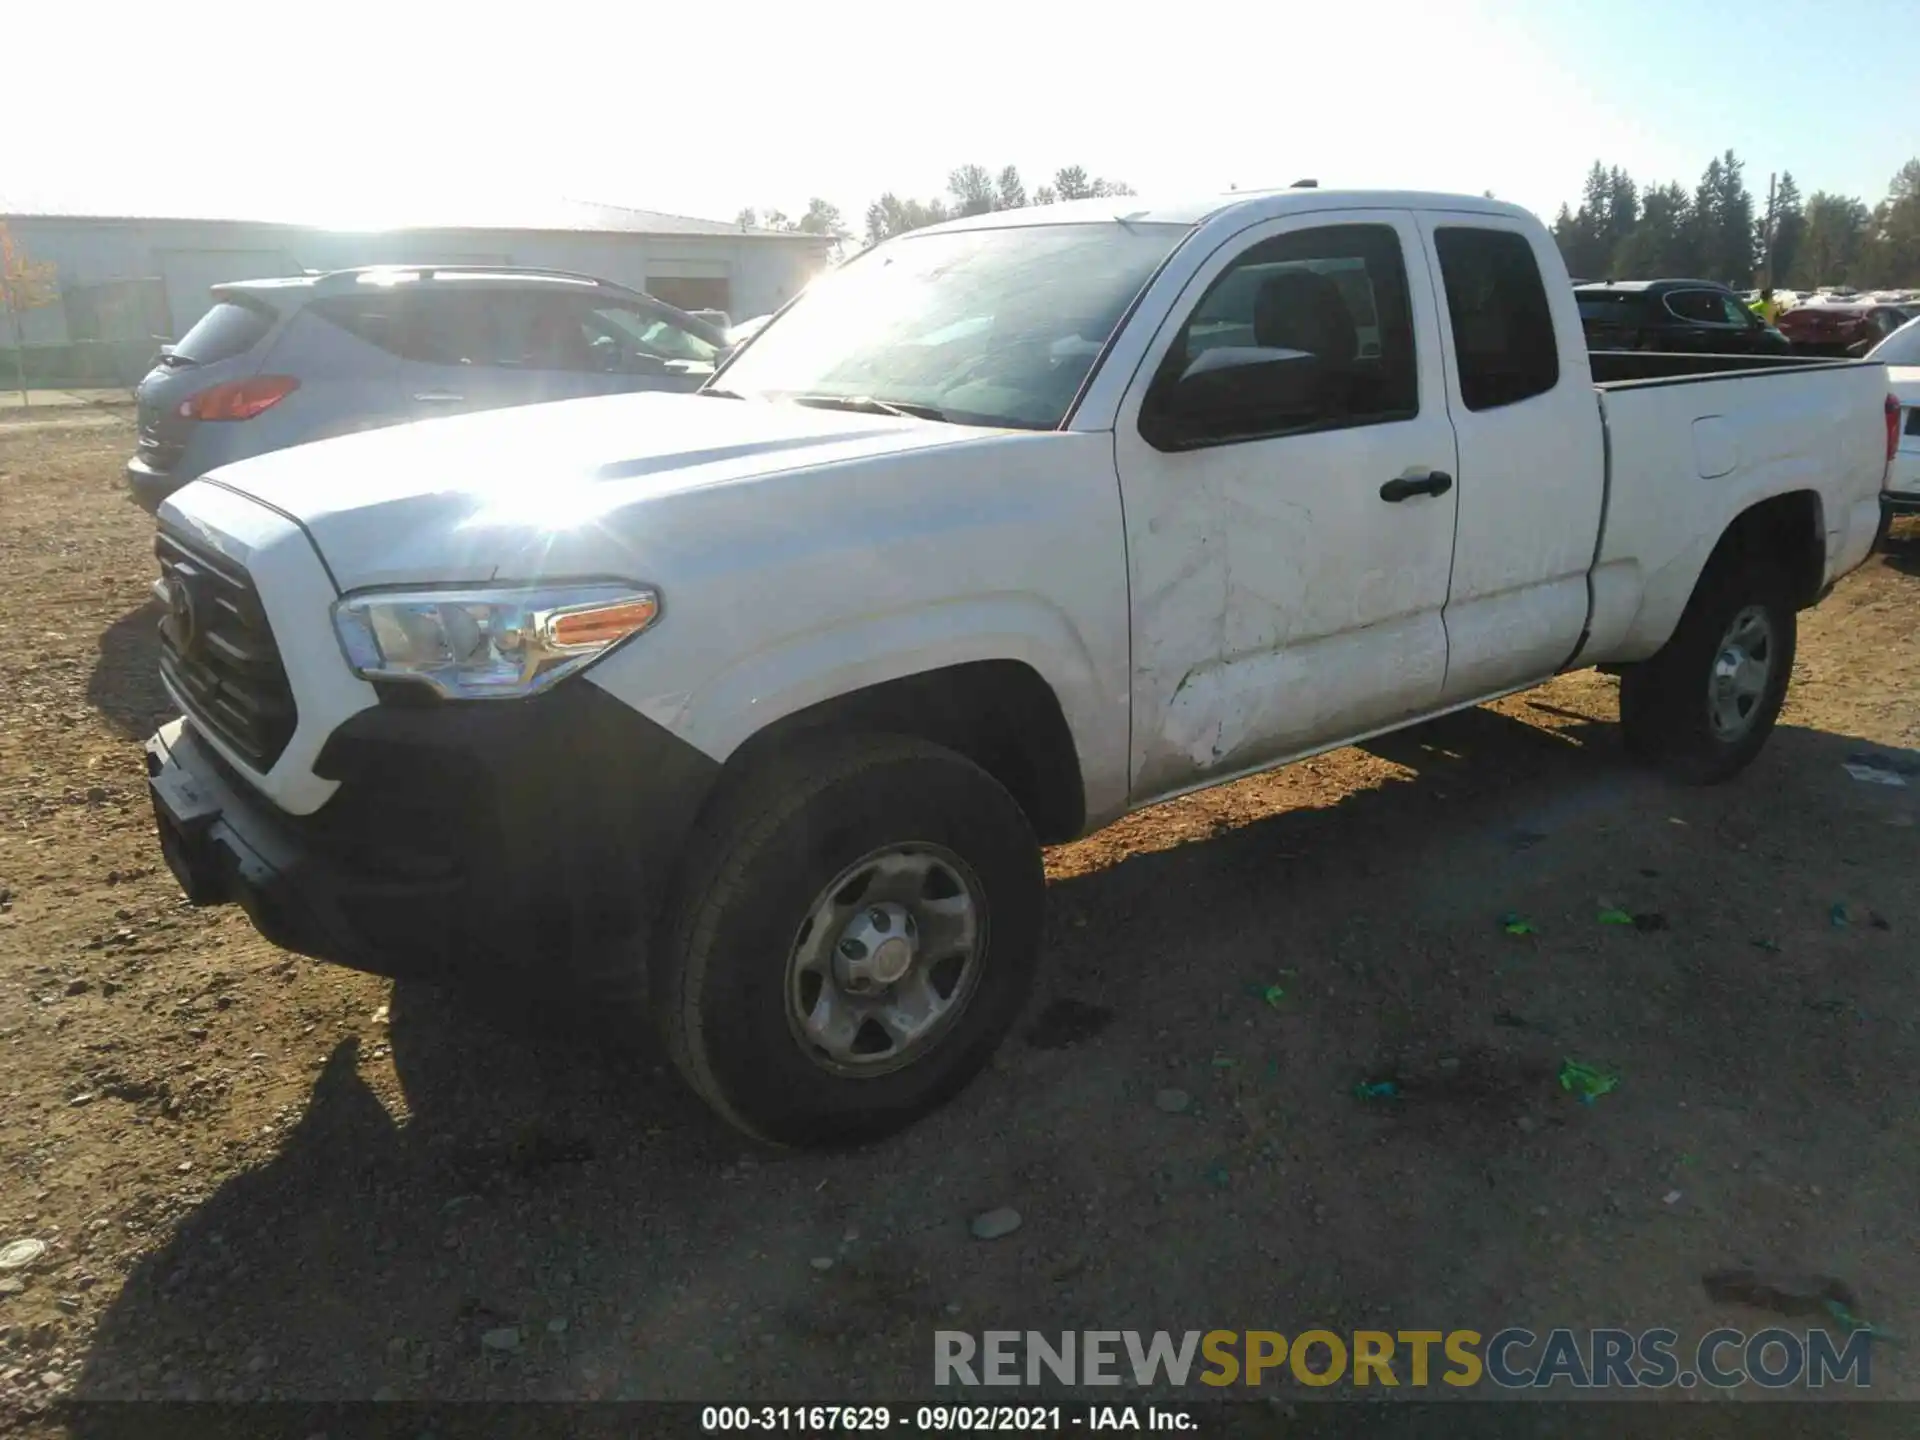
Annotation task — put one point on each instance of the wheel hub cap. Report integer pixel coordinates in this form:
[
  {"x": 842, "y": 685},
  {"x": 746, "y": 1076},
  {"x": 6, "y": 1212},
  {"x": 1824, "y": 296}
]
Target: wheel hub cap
[
  {"x": 1741, "y": 672},
  {"x": 886, "y": 960},
  {"x": 876, "y": 948}
]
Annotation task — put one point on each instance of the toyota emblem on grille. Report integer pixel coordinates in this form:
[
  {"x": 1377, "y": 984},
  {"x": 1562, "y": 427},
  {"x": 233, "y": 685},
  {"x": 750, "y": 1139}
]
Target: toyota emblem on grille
[{"x": 181, "y": 623}]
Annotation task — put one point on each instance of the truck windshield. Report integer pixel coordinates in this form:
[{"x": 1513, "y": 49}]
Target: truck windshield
[{"x": 981, "y": 327}]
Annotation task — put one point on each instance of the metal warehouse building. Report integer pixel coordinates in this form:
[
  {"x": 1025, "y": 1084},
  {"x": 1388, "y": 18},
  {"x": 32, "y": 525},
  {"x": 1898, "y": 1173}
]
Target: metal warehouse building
[{"x": 125, "y": 279}]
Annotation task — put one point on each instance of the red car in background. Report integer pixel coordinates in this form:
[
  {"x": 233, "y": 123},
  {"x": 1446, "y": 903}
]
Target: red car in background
[{"x": 1842, "y": 328}]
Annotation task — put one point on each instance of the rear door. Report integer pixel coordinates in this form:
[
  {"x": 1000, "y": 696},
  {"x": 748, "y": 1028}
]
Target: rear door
[
  {"x": 471, "y": 346},
  {"x": 1532, "y": 469},
  {"x": 1288, "y": 559}
]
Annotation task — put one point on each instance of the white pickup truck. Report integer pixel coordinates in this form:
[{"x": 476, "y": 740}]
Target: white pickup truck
[{"x": 755, "y": 706}]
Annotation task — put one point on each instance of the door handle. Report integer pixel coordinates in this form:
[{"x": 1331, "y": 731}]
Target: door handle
[
  {"x": 438, "y": 397},
  {"x": 1434, "y": 482}
]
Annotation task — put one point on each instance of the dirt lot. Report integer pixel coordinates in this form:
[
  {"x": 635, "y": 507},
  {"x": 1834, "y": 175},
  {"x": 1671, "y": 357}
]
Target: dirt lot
[{"x": 262, "y": 1177}]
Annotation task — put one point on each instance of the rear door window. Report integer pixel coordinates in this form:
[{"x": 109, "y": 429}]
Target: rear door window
[
  {"x": 1697, "y": 307},
  {"x": 491, "y": 328},
  {"x": 232, "y": 327},
  {"x": 1503, "y": 341}
]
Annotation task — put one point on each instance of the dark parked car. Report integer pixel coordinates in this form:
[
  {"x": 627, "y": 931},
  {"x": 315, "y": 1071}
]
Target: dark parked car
[
  {"x": 1673, "y": 316},
  {"x": 280, "y": 362},
  {"x": 1842, "y": 328}
]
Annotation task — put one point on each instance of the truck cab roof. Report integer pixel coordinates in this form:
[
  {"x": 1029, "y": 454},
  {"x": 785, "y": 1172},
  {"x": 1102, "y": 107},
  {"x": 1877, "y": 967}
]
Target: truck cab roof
[{"x": 1248, "y": 206}]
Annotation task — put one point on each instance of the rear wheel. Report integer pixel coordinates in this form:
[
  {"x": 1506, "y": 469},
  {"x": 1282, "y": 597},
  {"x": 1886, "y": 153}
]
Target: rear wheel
[
  {"x": 856, "y": 935},
  {"x": 1703, "y": 706}
]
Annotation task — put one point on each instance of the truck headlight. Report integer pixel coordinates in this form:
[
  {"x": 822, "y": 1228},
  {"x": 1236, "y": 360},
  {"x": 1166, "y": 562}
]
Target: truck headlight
[{"x": 489, "y": 644}]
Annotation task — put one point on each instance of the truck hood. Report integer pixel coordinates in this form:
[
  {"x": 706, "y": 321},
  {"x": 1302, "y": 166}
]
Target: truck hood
[{"x": 530, "y": 492}]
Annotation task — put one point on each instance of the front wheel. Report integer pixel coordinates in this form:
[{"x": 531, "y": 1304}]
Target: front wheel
[
  {"x": 1703, "y": 706},
  {"x": 857, "y": 933}
]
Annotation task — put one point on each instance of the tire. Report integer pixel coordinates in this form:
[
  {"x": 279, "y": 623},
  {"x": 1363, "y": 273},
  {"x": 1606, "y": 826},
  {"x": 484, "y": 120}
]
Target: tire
[
  {"x": 1669, "y": 714},
  {"x": 1882, "y": 532},
  {"x": 739, "y": 958}
]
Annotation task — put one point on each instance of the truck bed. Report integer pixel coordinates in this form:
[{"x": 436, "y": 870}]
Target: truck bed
[
  {"x": 1694, "y": 440},
  {"x": 1614, "y": 368}
]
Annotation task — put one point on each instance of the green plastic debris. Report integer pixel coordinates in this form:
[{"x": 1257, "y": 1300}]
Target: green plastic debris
[
  {"x": 1217, "y": 1176},
  {"x": 1272, "y": 994},
  {"x": 1376, "y": 1090},
  {"x": 1611, "y": 916},
  {"x": 1514, "y": 923},
  {"x": 1853, "y": 1322},
  {"x": 1772, "y": 947},
  {"x": 1837, "y": 915},
  {"x": 1586, "y": 1082},
  {"x": 1224, "y": 1062}
]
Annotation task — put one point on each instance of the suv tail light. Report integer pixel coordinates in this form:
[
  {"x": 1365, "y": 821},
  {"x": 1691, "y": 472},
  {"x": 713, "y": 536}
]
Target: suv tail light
[
  {"x": 1893, "y": 429},
  {"x": 238, "y": 399}
]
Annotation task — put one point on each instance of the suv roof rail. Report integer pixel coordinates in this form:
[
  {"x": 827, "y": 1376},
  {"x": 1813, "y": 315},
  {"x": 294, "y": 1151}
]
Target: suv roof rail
[
  {"x": 429, "y": 271},
  {"x": 336, "y": 280}
]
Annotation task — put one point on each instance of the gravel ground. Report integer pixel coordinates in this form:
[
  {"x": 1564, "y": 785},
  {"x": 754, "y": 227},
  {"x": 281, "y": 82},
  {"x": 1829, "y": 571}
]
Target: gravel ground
[{"x": 260, "y": 1177}]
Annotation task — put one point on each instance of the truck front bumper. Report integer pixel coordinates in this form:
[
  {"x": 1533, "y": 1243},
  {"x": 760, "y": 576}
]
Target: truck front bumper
[{"x": 525, "y": 836}]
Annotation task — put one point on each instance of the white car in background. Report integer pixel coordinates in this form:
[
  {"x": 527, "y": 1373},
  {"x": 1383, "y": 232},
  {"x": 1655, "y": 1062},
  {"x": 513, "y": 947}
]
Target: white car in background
[{"x": 1900, "y": 353}]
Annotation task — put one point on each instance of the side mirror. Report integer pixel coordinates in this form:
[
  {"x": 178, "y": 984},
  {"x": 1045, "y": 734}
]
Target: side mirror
[{"x": 1234, "y": 391}]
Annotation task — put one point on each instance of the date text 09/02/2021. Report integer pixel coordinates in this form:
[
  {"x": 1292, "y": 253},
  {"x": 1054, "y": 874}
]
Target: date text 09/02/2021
[{"x": 943, "y": 1419}]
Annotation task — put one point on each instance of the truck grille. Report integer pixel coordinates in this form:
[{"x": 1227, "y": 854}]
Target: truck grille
[{"x": 217, "y": 651}]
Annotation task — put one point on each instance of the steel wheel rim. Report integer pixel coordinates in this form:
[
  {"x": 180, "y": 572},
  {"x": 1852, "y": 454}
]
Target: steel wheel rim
[
  {"x": 1742, "y": 670},
  {"x": 886, "y": 960}
]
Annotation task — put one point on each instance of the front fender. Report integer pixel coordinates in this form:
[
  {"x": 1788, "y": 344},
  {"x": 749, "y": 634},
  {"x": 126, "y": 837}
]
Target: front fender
[{"x": 803, "y": 669}]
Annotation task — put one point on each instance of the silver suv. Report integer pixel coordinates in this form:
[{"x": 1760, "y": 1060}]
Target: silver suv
[{"x": 278, "y": 362}]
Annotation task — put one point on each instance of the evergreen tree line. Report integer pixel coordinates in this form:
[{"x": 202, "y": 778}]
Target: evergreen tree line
[
  {"x": 1720, "y": 231},
  {"x": 971, "y": 190}
]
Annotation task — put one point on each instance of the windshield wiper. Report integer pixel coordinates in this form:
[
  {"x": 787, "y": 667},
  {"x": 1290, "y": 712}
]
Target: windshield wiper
[
  {"x": 868, "y": 405},
  {"x": 721, "y": 391}
]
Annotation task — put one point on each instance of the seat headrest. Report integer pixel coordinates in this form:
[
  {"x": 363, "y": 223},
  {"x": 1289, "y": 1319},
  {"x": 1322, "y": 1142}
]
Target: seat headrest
[{"x": 1299, "y": 310}]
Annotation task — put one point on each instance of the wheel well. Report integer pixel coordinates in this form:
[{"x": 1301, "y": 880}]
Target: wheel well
[
  {"x": 1787, "y": 531},
  {"x": 998, "y": 713}
]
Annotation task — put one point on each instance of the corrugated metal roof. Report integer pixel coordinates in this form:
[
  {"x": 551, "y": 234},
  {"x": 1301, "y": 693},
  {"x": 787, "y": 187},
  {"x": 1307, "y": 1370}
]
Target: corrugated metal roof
[{"x": 555, "y": 215}]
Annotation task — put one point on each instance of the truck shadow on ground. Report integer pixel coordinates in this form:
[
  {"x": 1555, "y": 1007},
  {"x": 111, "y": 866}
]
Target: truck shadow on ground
[
  {"x": 124, "y": 685},
  {"x": 1903, "y": 549},
  {"x": 557, "y": 1219}
]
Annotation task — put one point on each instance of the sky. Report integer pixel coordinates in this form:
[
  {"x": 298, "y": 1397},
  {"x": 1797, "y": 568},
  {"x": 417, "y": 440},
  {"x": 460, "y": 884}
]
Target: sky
[{"x": 366, "y": 115}]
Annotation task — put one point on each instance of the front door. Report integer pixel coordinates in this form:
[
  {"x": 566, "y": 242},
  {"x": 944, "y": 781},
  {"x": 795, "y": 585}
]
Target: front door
[{"x": 1288, "y": 467}]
